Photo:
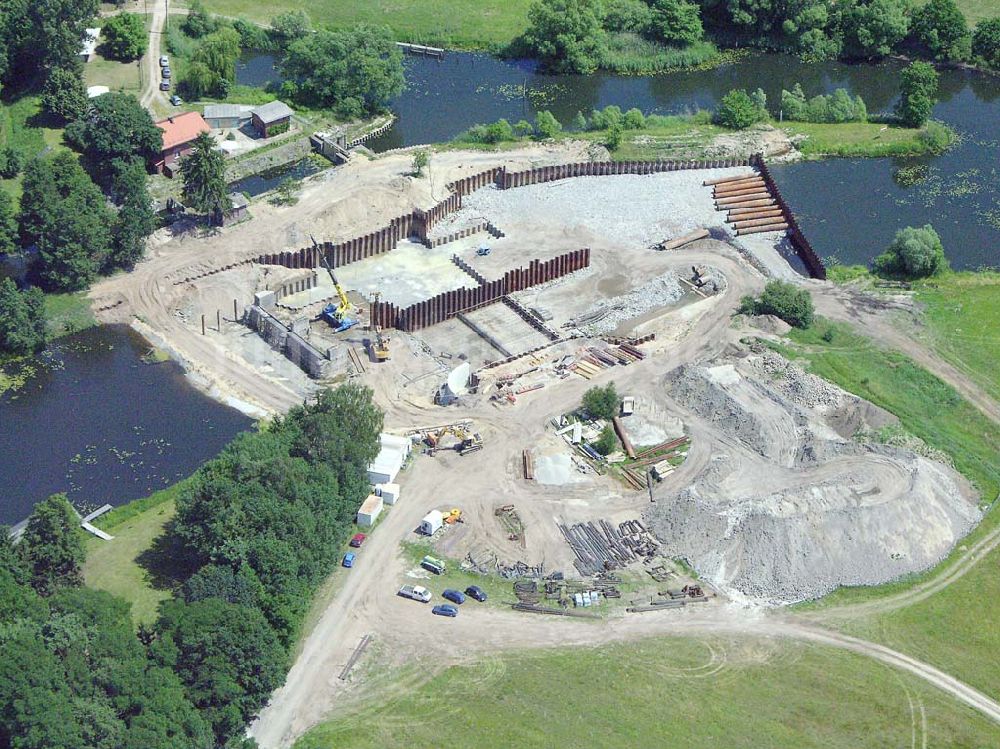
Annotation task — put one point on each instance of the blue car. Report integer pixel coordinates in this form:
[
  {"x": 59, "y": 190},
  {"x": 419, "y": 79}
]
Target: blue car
[
  {"x": 348, "y": 559},
  {"x": 455, "y": 596},
  {"x": 445, "y": 609},
  {"x": 474, "y": 591}
]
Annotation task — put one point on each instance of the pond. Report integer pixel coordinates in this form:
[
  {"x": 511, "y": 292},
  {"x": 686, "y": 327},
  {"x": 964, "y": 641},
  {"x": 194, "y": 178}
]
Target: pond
[
  {"x": 93, "y": 420},
  {"x": 258, "y": 184},
  {"x": 257, "y": 69},
  {"x": 849, "y": 208}
]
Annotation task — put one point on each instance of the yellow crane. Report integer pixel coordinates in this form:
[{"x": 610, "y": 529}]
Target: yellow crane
[{"x": 339, "y": 316}]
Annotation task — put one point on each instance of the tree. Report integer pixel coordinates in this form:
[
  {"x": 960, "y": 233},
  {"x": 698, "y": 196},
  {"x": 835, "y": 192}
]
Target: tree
[
  {"x": 606, "y": 441},
  {"x": 64, "y": 94},
  {"x": 579, "y": 122},
  {"x": 116, "y": 131},
  {"x": 64, "y": 214},
  {"x": 874, "y": 28},
  {"x": 614, "y": 140},
  {"x": 914, "y": 253},
  {"x": 125, "y": 36},
  {"x": 986, "y": 42},
  {"x": 633, "y": 120},
  {"x": 420, "y": 161},
  {"x": 602, "y": 402},
  {"x": 738, "y": 111},
  {"x": 355, "y": 72},
  {"x": 227, "y": 658},
  {"x": 546, "y": 124},
  {"x": 204, "y": 174},
  {"x": 8, "y": 224},
  {"x": 22, "y": 319},
  {"x": 630, "y": 16},
  {"x": 939, "y": 27},
  {"x": 135, "y": 220},
  {"x": 198, "y": 22},
  {"x": 11, "y": 162},
  {"x": 918, "y": 89},
  {"x": 784, "y": 300},
  {"x": 565, "y": 34},
  {"x": 287, "y": 27},
  {"x": 676, "y": 22},
  {"x": 217, "y": 54},
  {"x": 52, "y": 547},
  {"x": 55, "y": 30}
]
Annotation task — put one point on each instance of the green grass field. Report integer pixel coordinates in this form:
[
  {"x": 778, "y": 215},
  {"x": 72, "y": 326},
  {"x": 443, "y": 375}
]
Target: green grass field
[
  {"x": 667, "y": 692},
  {"x": 854, "y": 139},
  {"x": 452, "y": 23},
  {"x": 68, "y": 313},
  {"x": 25, "y": 127},
  {"x": 136, "y": 565}
]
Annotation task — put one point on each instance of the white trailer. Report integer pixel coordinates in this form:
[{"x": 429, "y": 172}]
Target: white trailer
[
  {"x": 431, "y": 523},
  {"x": 628, "y": 405}
]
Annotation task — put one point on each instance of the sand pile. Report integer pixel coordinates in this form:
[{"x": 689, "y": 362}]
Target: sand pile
[{"x": 786, "y": 508}]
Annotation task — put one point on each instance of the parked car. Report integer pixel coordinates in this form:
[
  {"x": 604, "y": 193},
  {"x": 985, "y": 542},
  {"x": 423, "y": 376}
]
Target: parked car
[
  {"x": 628, "y": 405},
  {"x": 176, "y": 100},
  {"x": 474, "y": 591},
  {"x": 432, "y": 565},
  {"x": 164, "y": 61},
  {"x": 164, "y": 85},
  {"x": 357, "y": 539},
  {"x": 415, "y": 592},
  {"x": 455, "y": 596},
  {"x": 444, "y": 609},
  {"x": 165, "y": 72},
  {"x": 348, "y": 559}
]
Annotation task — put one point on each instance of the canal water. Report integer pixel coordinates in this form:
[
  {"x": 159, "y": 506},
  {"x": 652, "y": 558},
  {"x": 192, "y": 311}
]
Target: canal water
[
  {"x": 258, "y": 184},
  {"x": 93, "y": 420},
  {"x": 850, "y": 209}
]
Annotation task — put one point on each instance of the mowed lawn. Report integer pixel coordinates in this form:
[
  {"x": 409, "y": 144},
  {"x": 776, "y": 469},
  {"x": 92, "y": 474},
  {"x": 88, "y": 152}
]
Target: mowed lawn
[
  {"x": 455, "y": 23},
  {"x": 665, "y": 692}
]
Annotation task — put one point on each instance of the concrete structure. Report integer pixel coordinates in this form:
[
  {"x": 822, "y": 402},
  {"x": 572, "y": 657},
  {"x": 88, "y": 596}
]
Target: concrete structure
[
  {"x": 179, "y": 133},
  {"x": 388, "y": 492},
  {"x": 238, "y": 209},
  {"x": 370, "y": 511},
  {"x": 220, "y": 116},
  {"x": 390, "y": 459},
  {"x": 431, "y": 523},
  {"x": 271, "y": 119},
  {"x": 89, "y": 45}
]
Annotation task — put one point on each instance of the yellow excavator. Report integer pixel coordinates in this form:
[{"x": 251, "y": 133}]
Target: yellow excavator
[
  {"x": 468, "y": 441},
  {"x": 380, "y": 346}
]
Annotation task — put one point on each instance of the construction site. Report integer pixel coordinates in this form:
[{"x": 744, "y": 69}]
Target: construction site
[{"x": 480, "y": 302}]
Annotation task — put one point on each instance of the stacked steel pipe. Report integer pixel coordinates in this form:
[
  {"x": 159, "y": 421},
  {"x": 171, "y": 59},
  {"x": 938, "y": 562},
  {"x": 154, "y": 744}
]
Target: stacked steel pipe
[{"x": 750, "y": 206}]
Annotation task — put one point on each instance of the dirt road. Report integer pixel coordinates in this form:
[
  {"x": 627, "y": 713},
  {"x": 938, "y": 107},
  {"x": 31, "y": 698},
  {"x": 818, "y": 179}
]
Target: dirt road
[{"x": 151, "y": 62}]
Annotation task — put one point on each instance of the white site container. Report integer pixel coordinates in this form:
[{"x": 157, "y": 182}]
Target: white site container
[
  {"x": 370, "y": 511},
  {"x": 388, "y": 492},
  {"x": 431, "y": 523}
]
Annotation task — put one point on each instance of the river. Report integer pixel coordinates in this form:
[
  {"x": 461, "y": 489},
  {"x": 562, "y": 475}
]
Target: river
[
  {"x": 93, "y": 420},
  {"x": 849, "y": 208}
]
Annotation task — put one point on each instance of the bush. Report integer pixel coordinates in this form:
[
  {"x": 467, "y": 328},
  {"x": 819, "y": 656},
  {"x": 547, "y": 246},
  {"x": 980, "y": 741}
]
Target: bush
[
  {"x": 835, "y": 107},
  {"x": 546, "y": 125},
  {"x": 606, "y": 442},
  {"x": 420, "y": 161},
  {"x": 602, "y": 402},
  {"x": 634, "y": 120},
  {"x": 602, "y": 119},
  {"x": 579, "y": 122},
  {"x": 198, "y": 23},
  {"x": 986, "y": 42},
  {"x": 738, "y": 111},
  {"x": 614, "y": 139},
  {"x": 917, "y": 92},
  {"x": 784, "y": 300},
  {"x": 125, "y": 36},
  {"x": 914, "y": 253},
  {"x": 936, "y": 136},
  {"x": 11, "y": 162},
  {"x": 523, "y": 128}
]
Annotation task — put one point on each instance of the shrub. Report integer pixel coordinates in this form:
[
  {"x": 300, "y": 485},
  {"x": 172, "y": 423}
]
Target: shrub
[
  {"x": 523, "y": 128},
  {"x": 420, "y": 161},
  {"x": 11, "y": 162},
  {"x": 784, "y": 300},
  {"x": 738, "y": 111},
  {"x": 546, "y": 125},
  {"x": 835, "y": 107},
  {"x": 606, "y": 442},
  {"x": 986, "y": 42},
  {"x": 614, "y": 139},
  {"x": 579, "y": 122},
  {"x": 602, "y": 402},
  {"x": 916, "y": 252},
  {"x": 936, "y": 136},
  {"x": 633, "y": 120},
  {"x": 602, "y": 119}
]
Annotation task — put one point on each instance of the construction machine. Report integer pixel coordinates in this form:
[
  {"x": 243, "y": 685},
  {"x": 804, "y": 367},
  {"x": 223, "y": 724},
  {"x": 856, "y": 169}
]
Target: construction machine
[
  {"x": 380, "y": 346},
  {"x": 339, "y": 316},
  {"x": 468, "y": 441}
]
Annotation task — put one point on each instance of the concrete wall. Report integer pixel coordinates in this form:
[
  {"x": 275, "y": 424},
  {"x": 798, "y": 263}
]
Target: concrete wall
[{"x": 296, "y": 349}]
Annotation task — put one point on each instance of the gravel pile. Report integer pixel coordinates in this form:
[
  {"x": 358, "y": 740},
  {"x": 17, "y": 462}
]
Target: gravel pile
[
  {"x": 785, "y": 509},
  {"x": 608, "y": 314}
]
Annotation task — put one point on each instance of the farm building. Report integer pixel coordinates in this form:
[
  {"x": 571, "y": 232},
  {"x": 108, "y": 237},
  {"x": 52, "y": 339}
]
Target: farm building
[
  {"x": 390, "y": 459},
  {"x": 271, "y": 119},
  {"x": 370, "y": 510},
  {"x": 178, "y": 139},
  {"x": 222, "y": 116}
]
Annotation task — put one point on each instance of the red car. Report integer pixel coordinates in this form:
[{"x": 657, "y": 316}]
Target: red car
[{"x": 357, "y": 539}]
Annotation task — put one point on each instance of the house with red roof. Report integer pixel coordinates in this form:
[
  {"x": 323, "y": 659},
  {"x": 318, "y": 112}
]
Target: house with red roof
[{"x": 179, "y": 133}]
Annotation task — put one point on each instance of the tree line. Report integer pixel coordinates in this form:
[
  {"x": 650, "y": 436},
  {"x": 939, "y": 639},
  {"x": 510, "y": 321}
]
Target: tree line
[
  {"x": 571, "y": 35},
  {"x": 261, "y": 525}
]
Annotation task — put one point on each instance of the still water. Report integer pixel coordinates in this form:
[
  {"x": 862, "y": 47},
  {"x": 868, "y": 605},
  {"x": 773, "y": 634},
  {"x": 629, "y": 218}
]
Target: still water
[
  {"x": 93, "y": 420},
  {"x": 849, "y": 208},
  {"x": 258, "y": 184}
]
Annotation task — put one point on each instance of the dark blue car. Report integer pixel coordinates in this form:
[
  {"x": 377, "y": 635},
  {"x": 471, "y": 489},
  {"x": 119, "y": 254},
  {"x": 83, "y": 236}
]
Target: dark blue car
[
  {"x": 348, "y": 559},
  {"x": 455, "y": 596},
  {"x": 474, "y": 591},
  {"x": 445, "y": 609}
]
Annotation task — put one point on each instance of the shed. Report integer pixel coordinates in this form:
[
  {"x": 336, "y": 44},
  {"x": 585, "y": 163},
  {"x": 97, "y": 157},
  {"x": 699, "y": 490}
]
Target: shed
[
  {"x": 272, "y": 118},
  {"x": 389, "y": 460},
  {"x": 370, "y": 511},
  {"x": 388, "y": 492},
  {"x": 219, "y": 116},
  {"x": 431, "y": 523},
  {"x": 88, "y": 46},
  {"x": 237, "y": 208}
]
